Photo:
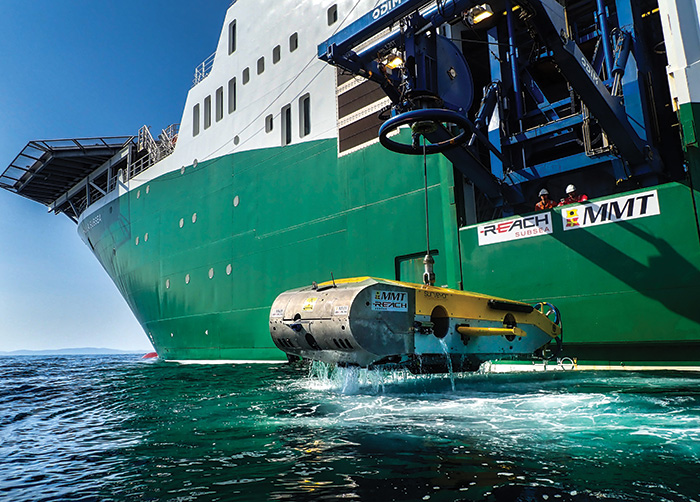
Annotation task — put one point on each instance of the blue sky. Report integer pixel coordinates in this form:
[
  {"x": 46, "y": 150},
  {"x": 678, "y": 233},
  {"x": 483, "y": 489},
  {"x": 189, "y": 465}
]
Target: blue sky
[{"x": 79, "y": 68}]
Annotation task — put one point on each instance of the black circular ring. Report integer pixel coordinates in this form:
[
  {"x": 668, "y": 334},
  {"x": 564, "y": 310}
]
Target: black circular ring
[{"x": 437, "y": 115}]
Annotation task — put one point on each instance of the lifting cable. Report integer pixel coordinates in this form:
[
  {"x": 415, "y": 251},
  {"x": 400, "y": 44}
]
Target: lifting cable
[{"x": 425, "y": 184}]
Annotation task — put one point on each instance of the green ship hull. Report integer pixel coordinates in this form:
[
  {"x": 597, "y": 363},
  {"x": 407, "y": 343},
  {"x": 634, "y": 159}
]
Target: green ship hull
[
  {"x": 224, "y": 238},
  {"x": 200, "y": 254}
]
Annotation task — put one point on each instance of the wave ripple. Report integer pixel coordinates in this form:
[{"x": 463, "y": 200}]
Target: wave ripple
[{"x": 117, "y": 428}]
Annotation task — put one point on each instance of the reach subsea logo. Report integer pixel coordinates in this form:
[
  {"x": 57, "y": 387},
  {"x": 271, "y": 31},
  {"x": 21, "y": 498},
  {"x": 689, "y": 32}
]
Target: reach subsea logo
[{"x": 515, "y": 228}]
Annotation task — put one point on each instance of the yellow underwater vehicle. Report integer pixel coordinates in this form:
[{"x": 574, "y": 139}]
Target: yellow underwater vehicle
[{"x": 371, "y": 323}]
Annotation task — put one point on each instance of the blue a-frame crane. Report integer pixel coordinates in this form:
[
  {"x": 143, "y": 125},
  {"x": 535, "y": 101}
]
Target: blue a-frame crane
[{"x": 431, "y": 88}]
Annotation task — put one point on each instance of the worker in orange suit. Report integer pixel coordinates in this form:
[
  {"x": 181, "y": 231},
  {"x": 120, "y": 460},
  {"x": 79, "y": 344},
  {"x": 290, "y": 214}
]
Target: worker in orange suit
[{"x": 545, "y": 202}]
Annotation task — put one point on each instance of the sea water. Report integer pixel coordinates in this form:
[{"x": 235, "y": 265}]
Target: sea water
[{"x": 118, "y": 428}]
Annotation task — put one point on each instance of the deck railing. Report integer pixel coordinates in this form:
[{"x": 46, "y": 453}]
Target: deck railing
[
  {"x": 148, "y": 152},
  {"x": 203, "y": 69}
]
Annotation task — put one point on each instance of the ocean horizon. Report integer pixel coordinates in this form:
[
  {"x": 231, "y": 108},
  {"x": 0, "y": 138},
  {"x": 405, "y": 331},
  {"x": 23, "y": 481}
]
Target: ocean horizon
[{"x": 72, "y": 351}]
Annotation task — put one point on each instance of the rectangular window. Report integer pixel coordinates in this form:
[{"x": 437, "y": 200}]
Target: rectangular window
[
  {"x": 304, "y": 115},
  {"x": 268, "y": 123},
  {"x": 232, "y": 95},
  {"x": 195, "y": 120},
  {"x": 332, "y": 14},
  {"x": 286, "y": 117},
  {"x": 276, "y": 54},
  {"x": 232, "y": 37},
  {"x": 261, "y": 65},
  {"x": 219, "y": 103},
  {"x": 207, "y": 111},
  {"x": 246, "y": 76},
  {"x": 293, "y": 42}
]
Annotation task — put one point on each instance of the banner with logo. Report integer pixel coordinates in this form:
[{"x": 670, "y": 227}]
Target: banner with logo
[
  {"x": 624, "y": 208},
  {"x": 515, "y": 228}
]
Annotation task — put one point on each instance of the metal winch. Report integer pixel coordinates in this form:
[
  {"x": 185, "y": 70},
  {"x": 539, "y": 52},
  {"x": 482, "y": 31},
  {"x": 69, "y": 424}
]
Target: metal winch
[{"x": 370, "y": 322}]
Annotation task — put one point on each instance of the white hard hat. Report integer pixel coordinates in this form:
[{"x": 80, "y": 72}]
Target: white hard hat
[
  {"x": 544, "y": 191},
  {"x": 570, "y": 188}
]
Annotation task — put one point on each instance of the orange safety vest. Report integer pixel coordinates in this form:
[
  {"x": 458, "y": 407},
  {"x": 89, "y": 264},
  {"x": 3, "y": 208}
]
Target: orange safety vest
[{"x": 544, "y": 204}]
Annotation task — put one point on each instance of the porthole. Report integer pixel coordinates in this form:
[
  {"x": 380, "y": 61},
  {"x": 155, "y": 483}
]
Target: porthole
[
  {"x": 137, "y": 240},
  {"x": 182, "y": 170},
  {"x": 228, "y": 269},
  {"x": 268, "y": 123},
  {"x": 182, "y": 222},
  {"x": 171, "y": 335},
  {"x": 167, "y": 283},
  {"x": 145, "y": 237},
  {"x": 206, "y": 331},
  {"x": 236, "y": 201},
  {"x": 211, "y": 273},
  {"x": 148, "y": 188},
  {"x": 195, "y": 162},
  {"x": 138, "y": 194},
  {"x": 187, "y": 279},
  {"x": 110, "y": 209},
  {"x": 236, "y": 140},
  {"x": 194, "y": 217}
]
